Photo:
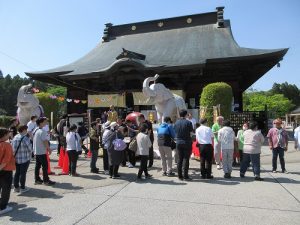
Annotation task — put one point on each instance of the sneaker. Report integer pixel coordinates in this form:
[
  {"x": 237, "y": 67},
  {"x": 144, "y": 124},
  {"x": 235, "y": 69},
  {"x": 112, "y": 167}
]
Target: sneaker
[
  {"x": 274, "y": 171},
  {"x": 148, "y": 176},
  {"x": 6, "y": 210},
  {"x": 116, "y": 176},
  {"x": 227, "y": 175},
  {"x": 171, "y": 174},
  {"x": 106, "y": 172},
  {"x": 38, "y": 182},
  {"x": 285, "y": 171},
  {"x": 49, "y": 183},
  {"x": 164, "y": 174},
  {"x": 130, "y": 165},
  {"x": 23, "y": 190},
  {"x": 258, "y": 179},
  {"x": 17, "y": 190}
]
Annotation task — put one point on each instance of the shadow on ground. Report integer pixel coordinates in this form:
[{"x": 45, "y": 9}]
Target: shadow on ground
[{"x": 24, "y": 214}]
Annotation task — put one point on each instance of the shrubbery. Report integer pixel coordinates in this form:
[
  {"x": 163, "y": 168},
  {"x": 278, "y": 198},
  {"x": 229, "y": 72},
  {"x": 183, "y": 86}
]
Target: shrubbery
[
  {"x": 215, "y": 94},
  {"x": 5, "y": 121}
]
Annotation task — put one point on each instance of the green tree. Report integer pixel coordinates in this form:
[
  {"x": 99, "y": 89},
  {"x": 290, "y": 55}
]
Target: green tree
[
  {"x": 290, "y": 91},
  {"x": 9, "y": 88},
  {"x": 59, "y": 91},
  {"x": 215, "y": 94},
  {"x": 277, "y": 104}
]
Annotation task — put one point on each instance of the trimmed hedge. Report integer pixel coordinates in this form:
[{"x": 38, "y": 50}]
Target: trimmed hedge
[
  {"x": 5, "y": 121},
  {"x": 214, "y": 94}
]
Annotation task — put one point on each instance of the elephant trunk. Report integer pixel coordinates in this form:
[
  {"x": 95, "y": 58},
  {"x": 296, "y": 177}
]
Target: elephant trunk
[{"x": 148, "y": 92}]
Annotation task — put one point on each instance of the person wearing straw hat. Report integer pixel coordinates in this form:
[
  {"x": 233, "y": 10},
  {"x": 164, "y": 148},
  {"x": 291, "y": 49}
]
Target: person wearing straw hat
[{"x": 278, "y": 143}]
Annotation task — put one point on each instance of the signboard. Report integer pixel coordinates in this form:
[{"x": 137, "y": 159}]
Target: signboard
[{"x": 106, "y": 100}]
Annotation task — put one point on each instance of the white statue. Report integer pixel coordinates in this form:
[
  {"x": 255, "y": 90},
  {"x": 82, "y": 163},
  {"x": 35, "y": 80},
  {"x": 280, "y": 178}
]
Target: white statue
[
  {"x": 166, "y": 103},
  {"x": 28, "y": 105}
]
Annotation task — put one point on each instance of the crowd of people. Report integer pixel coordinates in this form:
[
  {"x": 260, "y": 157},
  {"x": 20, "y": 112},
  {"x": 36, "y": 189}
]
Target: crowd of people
[{"x": 122, "y": 140}]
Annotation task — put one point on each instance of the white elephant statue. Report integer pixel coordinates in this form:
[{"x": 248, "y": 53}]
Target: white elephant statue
[
  {"x": 166, "y": 103},
  {"x": 28, "y": 105}
]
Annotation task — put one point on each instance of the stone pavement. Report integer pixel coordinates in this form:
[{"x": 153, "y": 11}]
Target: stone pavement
[{"x": 97, "y": 199}]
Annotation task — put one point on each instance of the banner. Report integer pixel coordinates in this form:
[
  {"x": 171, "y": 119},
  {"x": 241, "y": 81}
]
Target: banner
[{"x": 106, "y": 100}]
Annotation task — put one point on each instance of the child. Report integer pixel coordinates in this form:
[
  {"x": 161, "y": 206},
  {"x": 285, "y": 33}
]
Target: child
[
  {"x": 143, "y": 145},
  {"x": 7, "y": 165}
]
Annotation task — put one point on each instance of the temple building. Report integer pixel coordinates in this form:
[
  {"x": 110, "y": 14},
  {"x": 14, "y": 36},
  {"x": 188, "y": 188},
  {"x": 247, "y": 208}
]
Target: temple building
[{"x": 188, "y": 52}]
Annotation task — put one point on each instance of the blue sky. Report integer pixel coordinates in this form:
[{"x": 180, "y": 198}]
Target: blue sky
[{"x": 40, "y": 34}]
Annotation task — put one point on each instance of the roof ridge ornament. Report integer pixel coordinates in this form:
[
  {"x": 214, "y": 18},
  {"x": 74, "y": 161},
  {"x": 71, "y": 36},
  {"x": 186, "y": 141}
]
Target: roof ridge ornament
[
  {"x": 130, "y": 55},
  {"x": 106, "y": 32},
  {"x": 220, "y": 18}
]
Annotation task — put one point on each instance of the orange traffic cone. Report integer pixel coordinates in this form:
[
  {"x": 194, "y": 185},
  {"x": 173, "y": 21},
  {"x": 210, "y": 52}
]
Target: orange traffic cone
[
  {"x": 65, "y": 168},
  {"x": 49, "y": 166},
  {"x": 60, "y": 161},
  {"x": 61, "y": 157},
  {"x": 89, "y": 153}
]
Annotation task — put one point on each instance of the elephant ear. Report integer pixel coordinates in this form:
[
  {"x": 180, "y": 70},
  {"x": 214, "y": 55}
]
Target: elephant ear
[{"x": 162, "y": 93}]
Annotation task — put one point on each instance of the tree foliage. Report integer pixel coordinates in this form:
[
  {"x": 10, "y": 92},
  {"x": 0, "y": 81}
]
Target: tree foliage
[
  {"x": 215, "y": 94},
  {"x": 277, "y": 104},
  {"x": 290, "y": 91},
  {"x": 9, "y": 88}
]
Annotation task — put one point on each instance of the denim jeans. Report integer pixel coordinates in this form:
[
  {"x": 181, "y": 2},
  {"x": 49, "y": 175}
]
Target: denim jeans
[
  {"x": 41, "y": 161},
  {"x": 255, "y": 159},
  {"x": 20, "y": 175},
  {"x": 278, "y": 151}
]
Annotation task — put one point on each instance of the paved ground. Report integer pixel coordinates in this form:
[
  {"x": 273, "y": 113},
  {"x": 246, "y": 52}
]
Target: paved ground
[{"x": 97, "y": 199}]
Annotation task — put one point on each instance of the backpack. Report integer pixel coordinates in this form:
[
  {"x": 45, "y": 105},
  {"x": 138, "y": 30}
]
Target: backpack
[{"x": 119, "y": 144}]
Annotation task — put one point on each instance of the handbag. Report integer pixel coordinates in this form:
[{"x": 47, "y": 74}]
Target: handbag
[
  {"x": 133, "y": 145},
  {"x": 119, "y": 144},
  {"x": 173, "y": 144}
]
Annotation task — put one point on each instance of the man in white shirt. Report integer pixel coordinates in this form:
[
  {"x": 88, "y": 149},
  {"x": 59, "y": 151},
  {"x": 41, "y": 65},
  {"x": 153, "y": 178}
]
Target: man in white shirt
[
  {"x": 31, "y": 126},
  {"x": 204, "y": 137},
  {"x": 297, "y": 137}
]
